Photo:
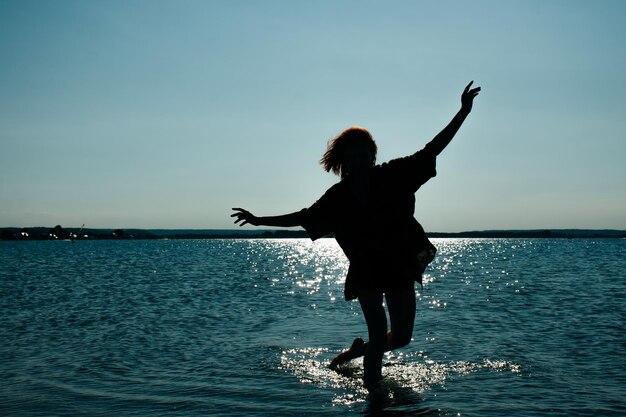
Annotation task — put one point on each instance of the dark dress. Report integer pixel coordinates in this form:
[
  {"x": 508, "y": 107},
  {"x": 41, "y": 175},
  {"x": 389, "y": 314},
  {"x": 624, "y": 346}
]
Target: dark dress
[{"x": 387, "y": 248}]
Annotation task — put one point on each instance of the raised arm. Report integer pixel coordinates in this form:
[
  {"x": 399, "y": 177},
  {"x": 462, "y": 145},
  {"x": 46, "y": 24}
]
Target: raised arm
[
  {"x": 245, "y": 217},
  {"x": 444, "y": 137}
]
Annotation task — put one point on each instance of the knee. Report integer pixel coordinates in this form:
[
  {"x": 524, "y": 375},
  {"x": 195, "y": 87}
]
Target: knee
[{"x": 400, "y": 341}]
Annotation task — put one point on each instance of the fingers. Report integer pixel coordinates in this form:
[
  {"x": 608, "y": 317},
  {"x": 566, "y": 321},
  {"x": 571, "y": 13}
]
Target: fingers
[
  {"x": 242, "y": 220},
  {"x": 473, "y": 91},
  {"x": 242, "y": 216},
  {"x": 240, "y": 212},
  {"x": 470, "y": 94}
]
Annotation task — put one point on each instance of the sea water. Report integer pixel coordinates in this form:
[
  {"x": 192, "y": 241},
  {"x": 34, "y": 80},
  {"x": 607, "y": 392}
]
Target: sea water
[{"x": 504, "y": 327}]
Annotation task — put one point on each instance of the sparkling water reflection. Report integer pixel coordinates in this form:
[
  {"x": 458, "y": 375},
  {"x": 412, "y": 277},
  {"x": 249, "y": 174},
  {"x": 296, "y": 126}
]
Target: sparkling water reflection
[
  {"x": 411, "y": 373},
  {"x": 512, "y": 327}
]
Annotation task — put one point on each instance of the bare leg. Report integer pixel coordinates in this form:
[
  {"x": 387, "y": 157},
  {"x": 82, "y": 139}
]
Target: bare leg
[
  {"x": 401, "y": 306},
  {"x": 376, "y": 319}
]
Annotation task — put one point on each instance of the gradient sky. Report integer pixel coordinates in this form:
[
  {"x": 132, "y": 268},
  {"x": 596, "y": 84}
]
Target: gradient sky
[{"x": 165, "y": 114}]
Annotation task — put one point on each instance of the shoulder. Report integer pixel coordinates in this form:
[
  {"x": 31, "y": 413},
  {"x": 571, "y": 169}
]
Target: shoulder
[
  {"x": 336, "y": 189},
  {"x": 331, "y": 195},
  {"x": 423, "y": 155},
  {"x": 411, "y": 171}
]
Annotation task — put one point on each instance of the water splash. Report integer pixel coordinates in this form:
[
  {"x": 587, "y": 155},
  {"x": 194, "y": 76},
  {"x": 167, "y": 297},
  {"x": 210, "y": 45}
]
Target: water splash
[{"x": 405, "y": 375}]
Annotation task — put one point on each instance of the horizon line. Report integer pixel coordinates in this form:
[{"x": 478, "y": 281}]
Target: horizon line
[{"x": 533, "y": 229}]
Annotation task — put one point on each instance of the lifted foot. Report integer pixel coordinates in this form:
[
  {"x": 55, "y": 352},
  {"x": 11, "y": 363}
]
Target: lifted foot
[{"x": 349, "y": 354}]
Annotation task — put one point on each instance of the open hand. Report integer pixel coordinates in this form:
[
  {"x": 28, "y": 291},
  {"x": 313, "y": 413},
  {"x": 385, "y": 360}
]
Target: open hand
[
  {"x": 245, "y": 217},
  {"x": 467, "y": 98}
]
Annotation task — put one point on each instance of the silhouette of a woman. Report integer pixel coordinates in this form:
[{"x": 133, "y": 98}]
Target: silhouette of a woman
[{"x": 370, "y": 213}]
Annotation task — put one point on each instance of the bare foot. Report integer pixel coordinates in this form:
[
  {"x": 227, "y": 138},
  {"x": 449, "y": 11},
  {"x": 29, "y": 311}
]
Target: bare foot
[{"x": 348, "y": 355}]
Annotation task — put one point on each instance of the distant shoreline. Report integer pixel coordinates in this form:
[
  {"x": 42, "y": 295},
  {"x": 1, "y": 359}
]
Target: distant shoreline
[{"x": 58, "y": 232}]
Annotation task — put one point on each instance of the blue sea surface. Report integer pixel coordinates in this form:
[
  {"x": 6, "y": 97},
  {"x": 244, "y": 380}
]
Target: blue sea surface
[{"x": 504, "y": 327}]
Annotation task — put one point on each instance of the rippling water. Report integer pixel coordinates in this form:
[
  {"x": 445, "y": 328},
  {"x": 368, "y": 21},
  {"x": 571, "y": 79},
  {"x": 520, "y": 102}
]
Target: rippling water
[{"x": 247, "y": 327}]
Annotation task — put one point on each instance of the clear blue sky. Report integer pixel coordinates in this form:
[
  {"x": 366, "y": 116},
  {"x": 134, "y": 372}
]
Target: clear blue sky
[{"x": 165, "y": 114}]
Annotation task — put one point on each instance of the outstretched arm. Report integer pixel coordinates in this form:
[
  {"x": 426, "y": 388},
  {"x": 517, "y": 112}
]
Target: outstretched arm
[
  {"x": 245, "y": 217},
  {"x": 445, "y": 136}
]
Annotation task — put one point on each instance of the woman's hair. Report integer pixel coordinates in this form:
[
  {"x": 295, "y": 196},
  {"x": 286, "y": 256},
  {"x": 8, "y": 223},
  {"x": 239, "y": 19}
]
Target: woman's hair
[{"x": 333, "y": 157}]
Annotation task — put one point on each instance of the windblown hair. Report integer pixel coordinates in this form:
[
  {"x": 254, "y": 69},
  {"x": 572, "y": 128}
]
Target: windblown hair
[{"x": 333, "y": 157}]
